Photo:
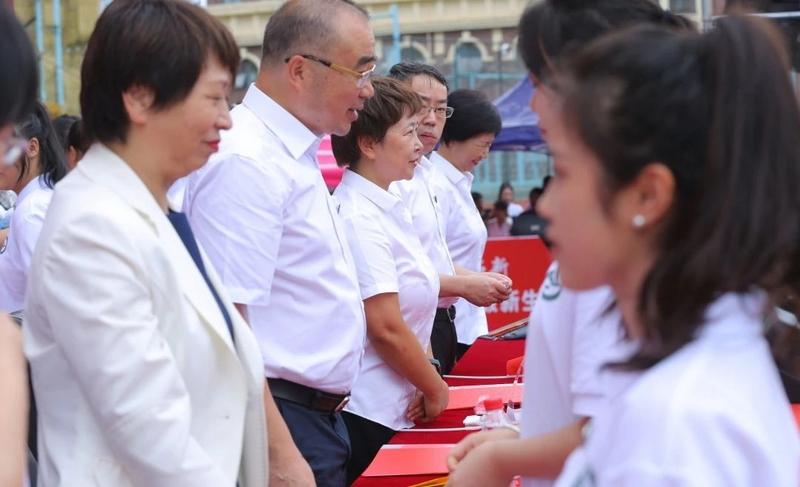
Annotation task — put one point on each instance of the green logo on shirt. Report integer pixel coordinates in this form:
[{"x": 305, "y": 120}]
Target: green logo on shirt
[{"x": 551, "y": 287}]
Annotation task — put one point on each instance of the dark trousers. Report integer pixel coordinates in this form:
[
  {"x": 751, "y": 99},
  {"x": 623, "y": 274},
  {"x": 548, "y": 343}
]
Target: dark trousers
[
  {"x": 366, "y": 437},
  {"x": 461, "y": 350},
  {"x": 444, "y": 341},
  {"x": 322, "y": 439}
]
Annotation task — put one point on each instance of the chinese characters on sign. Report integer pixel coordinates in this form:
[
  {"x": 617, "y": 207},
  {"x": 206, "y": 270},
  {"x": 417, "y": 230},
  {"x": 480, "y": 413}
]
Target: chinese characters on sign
[{"x": 525, "y": 261}]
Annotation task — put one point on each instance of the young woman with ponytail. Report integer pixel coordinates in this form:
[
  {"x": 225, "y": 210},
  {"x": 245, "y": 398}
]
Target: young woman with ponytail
[
  {"x": 40, "y": 165},
  {"x": 571, "y": 334},
  {"x": 677, "y": 168}
]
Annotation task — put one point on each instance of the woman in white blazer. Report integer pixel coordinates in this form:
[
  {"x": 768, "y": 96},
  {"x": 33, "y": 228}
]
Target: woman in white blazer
[{"x": 143, "y": 371}]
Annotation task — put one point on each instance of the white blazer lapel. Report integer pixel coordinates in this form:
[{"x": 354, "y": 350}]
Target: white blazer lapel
[{"x": 193, "y": 286}]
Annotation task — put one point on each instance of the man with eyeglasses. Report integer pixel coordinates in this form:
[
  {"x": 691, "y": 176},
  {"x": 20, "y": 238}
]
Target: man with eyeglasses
[
  {"x": 479, "y": 288},
  {"x": 262, "y": 211}
]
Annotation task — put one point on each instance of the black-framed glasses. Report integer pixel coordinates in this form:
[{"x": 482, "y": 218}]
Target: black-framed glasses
[
  {"x": 441, "y": 112},
  {"x": 361, "y": 77}
]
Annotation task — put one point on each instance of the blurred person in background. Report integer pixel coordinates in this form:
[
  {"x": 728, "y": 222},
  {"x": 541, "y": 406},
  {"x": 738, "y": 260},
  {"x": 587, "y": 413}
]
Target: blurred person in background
[
  {"x": 32, "y": 178},
  {"x": 75, "y": 145},
  {"x": 499, "y": 225},
  {"x": 506, "y": 195},
  {"x": 529, "y": 222}
]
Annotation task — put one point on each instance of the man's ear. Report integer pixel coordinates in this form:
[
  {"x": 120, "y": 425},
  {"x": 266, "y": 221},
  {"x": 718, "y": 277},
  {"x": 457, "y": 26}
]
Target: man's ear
[
  {"x": 138, "y": 100},
  {"x": 297, "y": 70}
]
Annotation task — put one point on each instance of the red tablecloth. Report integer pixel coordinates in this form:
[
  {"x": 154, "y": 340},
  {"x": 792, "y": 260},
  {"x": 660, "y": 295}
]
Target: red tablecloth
[{"x": 489, "y": 357}]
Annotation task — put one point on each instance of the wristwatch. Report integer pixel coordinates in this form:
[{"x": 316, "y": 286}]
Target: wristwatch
[{"x": 436, "y": 365}]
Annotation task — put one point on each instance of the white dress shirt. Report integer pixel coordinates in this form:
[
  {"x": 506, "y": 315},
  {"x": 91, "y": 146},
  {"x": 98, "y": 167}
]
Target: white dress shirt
[
  {"x": 423, "y": 204},
  {"x": 714, "y": 413},
  {"x": 465, "y": 234},
  {"x": 389, "y": 259},
  {"x": 23, "y": 233},
  {"x": 262, "y": 212}
]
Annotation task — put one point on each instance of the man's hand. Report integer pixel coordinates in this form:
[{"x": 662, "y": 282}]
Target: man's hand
[
  {"x": 288, "y": 468},
  {"x": 483, "y": 288}
]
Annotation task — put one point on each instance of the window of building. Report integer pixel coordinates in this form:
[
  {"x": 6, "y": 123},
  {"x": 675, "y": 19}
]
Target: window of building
[
  {"x": 468, "y": 58},
  {"x": 412, "y": 54}
]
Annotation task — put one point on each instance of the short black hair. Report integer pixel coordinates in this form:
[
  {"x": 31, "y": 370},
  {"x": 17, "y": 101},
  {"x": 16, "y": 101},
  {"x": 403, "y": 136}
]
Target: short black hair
[
  {"x": 70, "y": 133},
  {"x": 473, "y": 114},
  {"x": 551, "y": 28},
  {"x": 406, "y": 70},
  {"x": 19, "y": 80},
  {"x": 302, "y": 25},
  {"x": 52, "y": 162},
  {"x": 391, "y": 102},
  {"x": 162, "y": 45}
]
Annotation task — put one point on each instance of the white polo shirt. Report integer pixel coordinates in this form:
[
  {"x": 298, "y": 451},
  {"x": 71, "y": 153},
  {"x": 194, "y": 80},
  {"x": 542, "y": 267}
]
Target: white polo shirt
[
  {"x": 23, "y": 233},
  {"x": 465, "y": 234},
  {"x": 262, "y": 212},
  {"x": 571, "y": 336},
  {"x": 389, "y": 259},
  {"x": 423, "y": 204},
  {"x": 714, "y": 413}
]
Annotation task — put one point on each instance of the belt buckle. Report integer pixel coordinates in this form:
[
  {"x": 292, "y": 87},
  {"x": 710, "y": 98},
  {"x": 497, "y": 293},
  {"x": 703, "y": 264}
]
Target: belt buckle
[
  {"x": 342, "y": 403},
  {"x": 451, "y": 313}
]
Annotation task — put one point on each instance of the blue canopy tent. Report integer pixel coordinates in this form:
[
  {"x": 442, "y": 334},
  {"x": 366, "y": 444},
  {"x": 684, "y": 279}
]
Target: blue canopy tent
[{"x": 520, "y": 130}]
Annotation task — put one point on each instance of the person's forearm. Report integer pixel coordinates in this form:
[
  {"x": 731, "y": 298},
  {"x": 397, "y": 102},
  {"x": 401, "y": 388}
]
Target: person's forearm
[
  {"x": 451, "y": 286},
  {"x": 539, "y": 456},
  {"x": 14, "y": 413},
  {"x": 399, "y": 348}
]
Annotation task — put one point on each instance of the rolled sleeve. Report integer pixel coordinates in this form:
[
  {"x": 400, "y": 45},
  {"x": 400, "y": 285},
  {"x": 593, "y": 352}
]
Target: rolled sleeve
[{"x": 372, "y": 251}]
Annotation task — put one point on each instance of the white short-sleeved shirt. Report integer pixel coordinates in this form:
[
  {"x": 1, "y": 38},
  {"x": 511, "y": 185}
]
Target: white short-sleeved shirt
[
  {"x": 571, "y": 336},
  {"x": 423, "y": 203},
  {"x": 261, "y": 210},
  {"x": 23, "y": 233},
  {"x": 714, "y": 413},
  {"x": 389, "y": 259},
  {"x": 465, "y": 234}
]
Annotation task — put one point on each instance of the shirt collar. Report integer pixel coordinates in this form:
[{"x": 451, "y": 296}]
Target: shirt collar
[
  {"x": 296, "y": 137},
  {"x": 33, "y": 185},
  {"x": 384, "y": 200},
  {"x": 450, "y": 171}
]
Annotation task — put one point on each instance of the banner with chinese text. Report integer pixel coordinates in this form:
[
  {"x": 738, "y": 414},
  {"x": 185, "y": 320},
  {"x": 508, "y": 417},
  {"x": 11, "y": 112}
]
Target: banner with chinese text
[{"x": 525, "y": 261}]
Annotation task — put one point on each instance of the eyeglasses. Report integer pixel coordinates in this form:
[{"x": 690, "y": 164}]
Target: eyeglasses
[
  {"x": 440, "y": 112},
  {"x": 11, "y": 150},
  {"x": 361, "y": 77}
]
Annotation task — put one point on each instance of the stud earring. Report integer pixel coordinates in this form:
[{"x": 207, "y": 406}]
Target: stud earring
[{"x": 638, "y": 221}]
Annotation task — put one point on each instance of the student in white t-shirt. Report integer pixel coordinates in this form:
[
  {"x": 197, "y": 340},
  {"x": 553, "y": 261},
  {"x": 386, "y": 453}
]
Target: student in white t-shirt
[
  {"x": 40, "y": 166},
  {"x": 399, "y": 284},
  {"x": 685, "y": 220},
  {"x": 572, "y": 334}
]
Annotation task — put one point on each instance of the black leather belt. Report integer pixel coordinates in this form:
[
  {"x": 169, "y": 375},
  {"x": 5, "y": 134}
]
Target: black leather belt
[
  {"x": 449, "y": 313},
  {"x": 307, "y": 396}
]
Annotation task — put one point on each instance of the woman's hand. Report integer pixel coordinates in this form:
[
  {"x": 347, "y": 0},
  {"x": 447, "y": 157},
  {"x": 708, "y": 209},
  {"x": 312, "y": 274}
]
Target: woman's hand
[
  {"x": 478, "y": 468},
  {"x": 475, "y": 440}
]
